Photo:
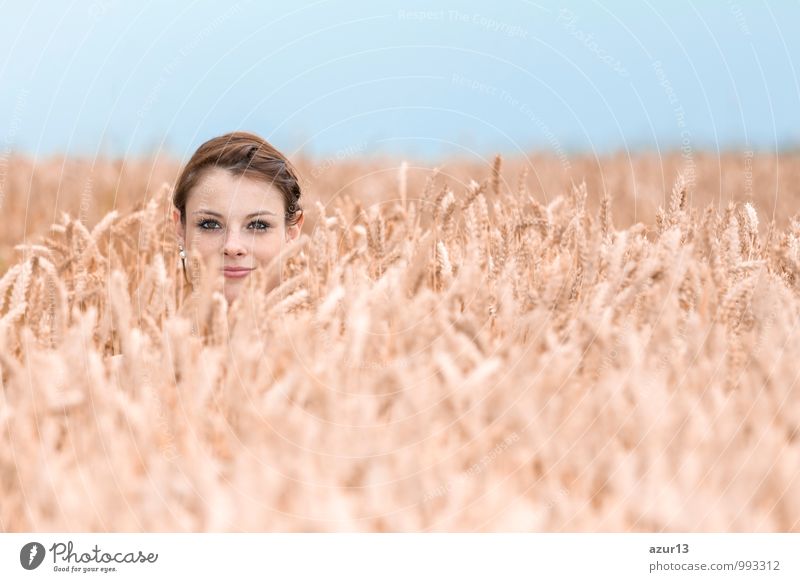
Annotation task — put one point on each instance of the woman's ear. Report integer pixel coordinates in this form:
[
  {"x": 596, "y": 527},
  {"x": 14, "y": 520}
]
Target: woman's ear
[
  {"x": 294, "y": 231},
  {"x": 180, "y": 231}
]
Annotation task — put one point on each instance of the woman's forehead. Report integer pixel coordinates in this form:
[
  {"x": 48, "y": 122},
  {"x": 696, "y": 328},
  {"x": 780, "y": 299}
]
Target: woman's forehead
[{"x": 219, "y": 187}]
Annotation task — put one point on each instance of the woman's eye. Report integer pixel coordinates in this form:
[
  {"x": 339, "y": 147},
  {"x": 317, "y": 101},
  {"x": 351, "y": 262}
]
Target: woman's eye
[
  {"x": 260, "y": 225},
  {"x": 214, "y": 225}
]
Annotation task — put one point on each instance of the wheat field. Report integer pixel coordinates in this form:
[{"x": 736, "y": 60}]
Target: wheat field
[{"x": 511, "y": 345}]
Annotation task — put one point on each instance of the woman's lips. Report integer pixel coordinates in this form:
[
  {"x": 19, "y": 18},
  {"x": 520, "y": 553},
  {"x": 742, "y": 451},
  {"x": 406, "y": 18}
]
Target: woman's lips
[{"x": 236, "y": 272}]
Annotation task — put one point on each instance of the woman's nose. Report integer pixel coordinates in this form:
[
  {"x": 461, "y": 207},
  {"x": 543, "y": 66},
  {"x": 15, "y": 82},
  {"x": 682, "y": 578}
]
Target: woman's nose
[{"x": 234, "y": 244}]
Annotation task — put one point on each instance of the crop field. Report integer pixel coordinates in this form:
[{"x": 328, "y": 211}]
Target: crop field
[{"x": 535, "y": 344}]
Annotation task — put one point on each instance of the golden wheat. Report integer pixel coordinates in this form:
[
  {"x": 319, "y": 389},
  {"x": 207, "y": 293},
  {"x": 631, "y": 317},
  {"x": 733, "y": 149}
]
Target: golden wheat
[{"x": 456, "y": 357}]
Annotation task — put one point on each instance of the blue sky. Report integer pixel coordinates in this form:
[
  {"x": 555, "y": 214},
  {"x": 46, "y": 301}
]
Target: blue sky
[{"x": 411, "y": 78}]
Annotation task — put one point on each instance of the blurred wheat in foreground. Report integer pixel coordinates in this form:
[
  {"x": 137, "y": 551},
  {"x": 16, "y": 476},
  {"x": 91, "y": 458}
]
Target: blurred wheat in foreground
[{"x": 461, "y": 359}]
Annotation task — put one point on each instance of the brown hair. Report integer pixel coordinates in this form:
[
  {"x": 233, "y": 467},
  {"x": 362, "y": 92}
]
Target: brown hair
[{"x": 242, "y": 153}]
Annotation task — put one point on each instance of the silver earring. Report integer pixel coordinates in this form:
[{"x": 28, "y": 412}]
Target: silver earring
[{"x": 183, "y": 252}]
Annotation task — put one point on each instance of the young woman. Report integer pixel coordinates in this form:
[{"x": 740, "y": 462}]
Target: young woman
[{"x": 238, "y": 199}]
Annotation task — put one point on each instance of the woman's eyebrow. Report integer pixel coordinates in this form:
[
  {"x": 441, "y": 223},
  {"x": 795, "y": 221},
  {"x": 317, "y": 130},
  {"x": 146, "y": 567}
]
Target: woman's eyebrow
[{"x": 212, "y": 213}]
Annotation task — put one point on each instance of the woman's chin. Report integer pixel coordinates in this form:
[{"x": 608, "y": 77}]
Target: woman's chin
[{"x": 231, "y": 291}]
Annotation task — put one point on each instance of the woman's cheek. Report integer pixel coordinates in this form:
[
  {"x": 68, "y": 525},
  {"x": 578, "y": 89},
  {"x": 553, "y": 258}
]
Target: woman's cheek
[
  {"x": 268, "y": 247},
  {"x": 207, "y": 243}
]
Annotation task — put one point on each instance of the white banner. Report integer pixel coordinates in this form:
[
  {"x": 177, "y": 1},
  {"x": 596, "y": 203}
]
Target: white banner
[{"x": 400, "y": 557}]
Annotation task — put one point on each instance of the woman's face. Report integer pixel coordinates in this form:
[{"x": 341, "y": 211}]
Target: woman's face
[{"x": 239, "y": 219}]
